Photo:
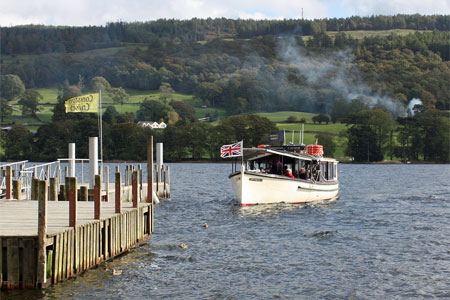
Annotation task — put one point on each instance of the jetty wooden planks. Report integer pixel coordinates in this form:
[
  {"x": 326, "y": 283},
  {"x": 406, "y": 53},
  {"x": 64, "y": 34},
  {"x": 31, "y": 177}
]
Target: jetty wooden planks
[{"x": 73, "y": 249}]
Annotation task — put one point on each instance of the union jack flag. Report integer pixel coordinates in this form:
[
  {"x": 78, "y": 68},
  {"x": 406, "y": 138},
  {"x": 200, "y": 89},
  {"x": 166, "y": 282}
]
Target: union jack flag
[{"x": 231, "y": 150}]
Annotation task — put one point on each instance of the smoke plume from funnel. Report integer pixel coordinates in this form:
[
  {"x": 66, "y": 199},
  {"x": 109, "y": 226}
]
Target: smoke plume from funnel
[
  {"x": 335, "y": 72},
  {"x": 412, "y": 109}
]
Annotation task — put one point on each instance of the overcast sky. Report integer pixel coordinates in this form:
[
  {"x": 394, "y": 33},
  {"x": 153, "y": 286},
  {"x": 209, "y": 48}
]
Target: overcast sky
[{"x": 99, "y": 12}]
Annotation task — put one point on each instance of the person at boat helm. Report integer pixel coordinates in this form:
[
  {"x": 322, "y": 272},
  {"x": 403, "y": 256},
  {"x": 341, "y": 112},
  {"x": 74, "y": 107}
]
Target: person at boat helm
[
  {"x": 277, "y": 167},
  {"x": 303, "y": 174},
  {"x": 289, "y": 173}
]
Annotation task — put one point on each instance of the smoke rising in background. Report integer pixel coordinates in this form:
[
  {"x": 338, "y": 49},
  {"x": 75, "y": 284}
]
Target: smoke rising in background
[
  {"x": 336, "y": 72},
  {"x": 412, "y": 109}
]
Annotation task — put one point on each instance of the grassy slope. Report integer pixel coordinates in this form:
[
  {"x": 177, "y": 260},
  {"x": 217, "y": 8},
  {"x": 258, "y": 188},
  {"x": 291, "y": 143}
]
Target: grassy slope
[{"x": 136, "y": 97}]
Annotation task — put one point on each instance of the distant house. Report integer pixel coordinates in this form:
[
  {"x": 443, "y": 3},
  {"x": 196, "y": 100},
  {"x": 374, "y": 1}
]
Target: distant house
[{"x": 152, "y": 125}]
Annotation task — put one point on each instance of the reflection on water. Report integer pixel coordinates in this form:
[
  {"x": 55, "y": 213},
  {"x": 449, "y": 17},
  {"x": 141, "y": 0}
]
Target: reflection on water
[{"x": 385, "y": 238}]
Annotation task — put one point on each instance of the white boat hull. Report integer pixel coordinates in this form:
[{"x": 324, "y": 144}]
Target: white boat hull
[{"x": 259, "y": 188}]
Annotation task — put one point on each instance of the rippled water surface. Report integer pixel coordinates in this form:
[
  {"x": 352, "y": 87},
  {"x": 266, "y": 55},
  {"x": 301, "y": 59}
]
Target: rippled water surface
[{"x": 387, "y": 237}]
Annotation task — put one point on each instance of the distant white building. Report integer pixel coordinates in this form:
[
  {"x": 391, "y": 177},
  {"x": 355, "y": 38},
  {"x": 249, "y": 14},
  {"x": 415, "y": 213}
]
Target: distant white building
[{"x": 152, "y": 125}]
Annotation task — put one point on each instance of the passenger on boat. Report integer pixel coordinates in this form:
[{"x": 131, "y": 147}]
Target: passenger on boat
[
  {"x": 303, "y": 174},
  {"x": 277, "y": 167},
  {"x": 261, "y": 169},
  {"x": 289, "y": 173}
]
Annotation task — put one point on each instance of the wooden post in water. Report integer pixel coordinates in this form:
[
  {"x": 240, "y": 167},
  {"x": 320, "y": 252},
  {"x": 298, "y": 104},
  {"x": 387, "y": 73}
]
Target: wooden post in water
[
  {"x": 97, "y": 197},
  {"x": 34, "y": 188},
  {"x": 53, "y": 193},
  {"x": 71, "y": 191},
  {"x": 150, "y": 182},
  {"x": 8, "y": 182},
  {"x": 83, "y": 193},
  {"x": 107, "y": 183},
  {"x": 17, "y": 189},
  {"x": 135, "y": 181},
  {"x": 165, "y": 181},
  {"x": 41, "y": 277},
  {"x": 62, "y": 192},
  {"x": 168, "y": 181},
  {"x": 118, "y": 192}
]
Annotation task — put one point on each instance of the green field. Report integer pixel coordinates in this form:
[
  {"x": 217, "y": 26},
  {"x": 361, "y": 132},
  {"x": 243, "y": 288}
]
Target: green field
[
  {"x": 137, "y": 96},
  {"x": 361, "y": 34},
  {"x": 282, "y": 116}
]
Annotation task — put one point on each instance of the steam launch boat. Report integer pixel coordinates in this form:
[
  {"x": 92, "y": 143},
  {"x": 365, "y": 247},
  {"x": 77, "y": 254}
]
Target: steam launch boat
[{"x": 283, "y": 174}]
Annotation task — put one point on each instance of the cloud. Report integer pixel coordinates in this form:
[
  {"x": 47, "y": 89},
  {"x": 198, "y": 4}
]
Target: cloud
[
  {"x": 99, "y": 12},
  {"x": 86, "y": 12},
  {"x": 393, "y": 7}
]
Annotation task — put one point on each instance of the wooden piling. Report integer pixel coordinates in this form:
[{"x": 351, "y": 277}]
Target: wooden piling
[
  {"x": 8, "y": 182},
  {"x": 118, "y": 192},
  {"x": 53, "y": 191},
  {"x": 17, "y": 189},
  {"x": 62, "y": 192},
  {"x": 135, "y": 180},
  {"x": 34, "y": 188},
  {"x": 83, "y": 193},
  {"x": 107, "y": 183},
  {"x": 71, "y": 184},
  {"x": 42, "y": 235},
  {"x": 97, "y": 197},
  {"x": 150, "y": 182}
]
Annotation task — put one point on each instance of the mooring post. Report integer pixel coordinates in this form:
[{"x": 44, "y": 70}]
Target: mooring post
[
  {"x": 17, "y": 189},
  {"x": 165, "y": 181},
  {"x": 71, "y": 195},
  {"x": 140, "y": 182},
  {"x": 157, "y": 180},
  {"x": 150, "y": 182},
  {"x": 53, "y": 193},
  {"x": 118, "y": 192},
  {"x": 107, "y": 183},
  {"x": 97, "y": 197},
  {"x": 41, "y": 277},
  {"x": 168, "y": 181},
  {"x": 83, "y": 193},
  {"x": 8, "y": 182},
  {"x": 34, "y": 188},
  {"x": 62, "y": 192},
  {"x": 135, "y": 181}
]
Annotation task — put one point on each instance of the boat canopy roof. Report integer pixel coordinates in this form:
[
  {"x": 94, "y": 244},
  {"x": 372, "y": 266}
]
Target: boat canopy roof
[{"x": 251, "y": 154}]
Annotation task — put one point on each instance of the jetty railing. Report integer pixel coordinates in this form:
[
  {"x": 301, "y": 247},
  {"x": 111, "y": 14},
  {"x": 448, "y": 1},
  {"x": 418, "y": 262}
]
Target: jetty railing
[
  {"x": 15, "y": 168},
  {"x": 45, "y": 241},
  {"x": 43, "y": 171}
]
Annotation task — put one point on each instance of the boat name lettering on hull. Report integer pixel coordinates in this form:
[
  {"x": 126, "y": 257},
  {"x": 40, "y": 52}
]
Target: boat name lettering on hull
[{"x": 255, "y": 179}]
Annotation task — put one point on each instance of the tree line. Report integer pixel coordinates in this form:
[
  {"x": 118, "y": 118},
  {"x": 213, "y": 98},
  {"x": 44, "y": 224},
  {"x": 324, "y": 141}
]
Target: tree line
[
  {"x": 39, "y": 39},
  {"x": 244, "y": 76}
]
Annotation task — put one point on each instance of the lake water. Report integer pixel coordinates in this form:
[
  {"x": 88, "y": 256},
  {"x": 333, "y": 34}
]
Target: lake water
[{"x": 387, "y": 237}]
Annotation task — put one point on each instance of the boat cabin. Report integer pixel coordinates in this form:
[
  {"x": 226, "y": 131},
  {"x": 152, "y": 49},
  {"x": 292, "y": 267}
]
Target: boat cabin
[{"x": 275, "y": 161}]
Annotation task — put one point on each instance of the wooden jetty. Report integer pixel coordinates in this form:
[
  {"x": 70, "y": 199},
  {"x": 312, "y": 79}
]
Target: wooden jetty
[{"x": 44, "y": 241}]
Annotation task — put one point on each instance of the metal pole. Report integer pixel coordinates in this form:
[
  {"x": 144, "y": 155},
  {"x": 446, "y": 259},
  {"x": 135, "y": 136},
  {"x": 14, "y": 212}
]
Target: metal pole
[
  {"x": 93, "y": 160},
  {"x": 71, "y": 159},
  {"x": 101, "y": 128},
  {"x": 159, "y": 157}
]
